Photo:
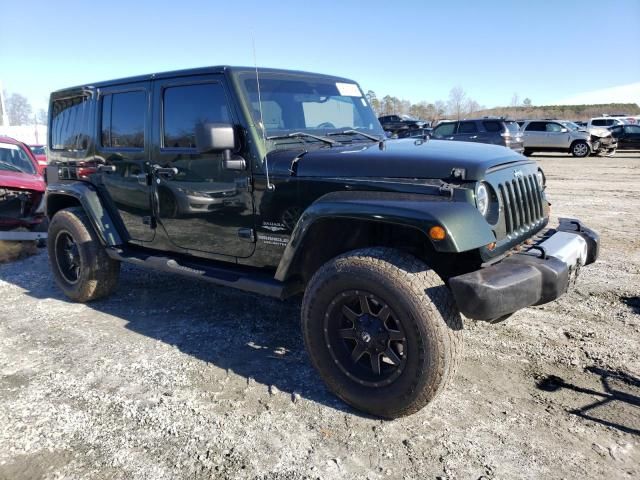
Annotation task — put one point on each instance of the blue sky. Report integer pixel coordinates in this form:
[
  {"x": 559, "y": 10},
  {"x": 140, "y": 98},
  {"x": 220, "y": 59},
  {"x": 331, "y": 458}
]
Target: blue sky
[{"x": 418, "y": 50}]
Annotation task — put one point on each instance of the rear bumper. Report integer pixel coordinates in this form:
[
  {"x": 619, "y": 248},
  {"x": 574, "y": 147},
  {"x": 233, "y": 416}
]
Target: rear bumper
[{"x": 537, "y": 276}]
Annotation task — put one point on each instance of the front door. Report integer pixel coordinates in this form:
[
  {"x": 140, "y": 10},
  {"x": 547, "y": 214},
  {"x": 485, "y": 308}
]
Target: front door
[
  {"x": 124, "y": 148},
  {"x": 535, "y": 135},
  {"x": 203, "y": 207},
  {"x": 556, "y": 138},
  {"x": 631, "y": 137}
]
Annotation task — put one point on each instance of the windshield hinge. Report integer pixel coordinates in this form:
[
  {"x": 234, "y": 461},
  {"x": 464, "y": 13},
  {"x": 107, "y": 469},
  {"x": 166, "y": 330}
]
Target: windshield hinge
[{"x": 446, "y": 189}]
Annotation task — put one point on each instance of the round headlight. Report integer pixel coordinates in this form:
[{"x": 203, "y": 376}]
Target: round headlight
[
  {"x": 541, "y": 179},
  {"x": 482, "y": 198}
]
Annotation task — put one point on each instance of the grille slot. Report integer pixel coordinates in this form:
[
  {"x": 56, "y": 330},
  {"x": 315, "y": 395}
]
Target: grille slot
[{"x": 521, "y": 199}]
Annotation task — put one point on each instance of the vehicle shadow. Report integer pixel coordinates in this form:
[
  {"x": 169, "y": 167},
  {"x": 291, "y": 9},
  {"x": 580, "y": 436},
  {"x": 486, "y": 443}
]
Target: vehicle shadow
[
  {"x": 252, "y": 336},
  {"x": 632, "y": 302},
  {"x": 626, "y": 393}
]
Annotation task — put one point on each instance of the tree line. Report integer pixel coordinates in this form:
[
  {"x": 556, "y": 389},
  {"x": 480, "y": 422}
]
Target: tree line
[
  {"x": 459, "y": 106},
  {"x": 20, "y": 111}
]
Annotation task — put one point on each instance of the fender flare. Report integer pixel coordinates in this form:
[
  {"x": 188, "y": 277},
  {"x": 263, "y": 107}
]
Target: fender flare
[
  {"x": 466, "y": 228},
  {"x": 87, "y": 196}
]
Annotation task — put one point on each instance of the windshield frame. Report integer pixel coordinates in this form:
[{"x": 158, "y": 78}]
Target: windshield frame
[{"x": 31, "y": 170}]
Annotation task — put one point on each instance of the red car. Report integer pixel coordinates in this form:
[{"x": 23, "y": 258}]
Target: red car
[
  {"x": 40, "y": 152},
  {"x": 21, "y": 190}
]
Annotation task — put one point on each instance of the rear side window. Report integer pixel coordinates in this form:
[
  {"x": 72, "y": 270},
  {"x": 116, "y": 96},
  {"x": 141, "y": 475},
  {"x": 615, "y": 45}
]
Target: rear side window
[
  {"x": 123, "y": 116},
  {"x": 71, "y": 123},
  {"x": 467, "y": 127},
  {"x": 536, "y": 127},
  {"x": 445, "y": 129},
  {"x": 599, "y": 122},
  {"x": 492, "y": 126},
  {"x": 188, "y": 105}
]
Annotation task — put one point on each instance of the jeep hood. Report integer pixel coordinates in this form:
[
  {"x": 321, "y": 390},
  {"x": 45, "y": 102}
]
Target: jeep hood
[{"x": 404, "y": 158}]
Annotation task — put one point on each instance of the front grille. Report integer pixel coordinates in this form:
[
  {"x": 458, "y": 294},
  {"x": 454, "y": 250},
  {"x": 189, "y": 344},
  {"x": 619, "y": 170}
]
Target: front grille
[{"x": 522, "y": 202}]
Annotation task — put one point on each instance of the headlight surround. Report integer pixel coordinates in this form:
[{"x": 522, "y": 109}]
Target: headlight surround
[
  {"x": 542, "y": 181},
  {"x": 482, "y": 198}
]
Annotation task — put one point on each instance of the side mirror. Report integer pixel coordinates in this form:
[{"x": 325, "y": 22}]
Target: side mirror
[
  {"x": 215, "y": 137},
  {"x": 219, "y": 137},
  {"x": 564, "y": 130}
]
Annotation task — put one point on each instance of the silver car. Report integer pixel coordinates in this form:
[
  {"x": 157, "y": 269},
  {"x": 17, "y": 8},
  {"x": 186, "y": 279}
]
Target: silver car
[{"x": 552, "y": 136}]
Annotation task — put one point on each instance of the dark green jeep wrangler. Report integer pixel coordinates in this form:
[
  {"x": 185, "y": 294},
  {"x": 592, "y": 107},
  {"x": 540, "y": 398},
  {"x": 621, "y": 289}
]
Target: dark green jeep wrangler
[{"x": 281, "y": 183}]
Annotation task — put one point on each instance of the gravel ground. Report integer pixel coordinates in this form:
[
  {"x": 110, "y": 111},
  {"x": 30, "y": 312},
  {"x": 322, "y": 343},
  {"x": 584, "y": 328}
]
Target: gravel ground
[{"x": 170, "y": 378}]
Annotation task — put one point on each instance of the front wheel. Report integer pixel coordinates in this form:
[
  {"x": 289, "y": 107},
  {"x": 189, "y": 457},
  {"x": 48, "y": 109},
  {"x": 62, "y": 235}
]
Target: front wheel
[
  {"x": 382, "y": 329},
  {"x": 580, "y": 149},
  {"x": 81, "y": 267}
]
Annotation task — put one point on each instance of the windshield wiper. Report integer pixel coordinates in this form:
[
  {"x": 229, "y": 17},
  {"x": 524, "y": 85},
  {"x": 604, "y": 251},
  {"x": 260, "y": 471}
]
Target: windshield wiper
[
  {"x": 357, "y": 132},
  {"x": 304, "y": 134}
]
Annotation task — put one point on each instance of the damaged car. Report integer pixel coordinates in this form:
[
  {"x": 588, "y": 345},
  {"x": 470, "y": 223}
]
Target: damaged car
[
  {"x": 21, "y": 193},
  {"x": 603, "y": 142}
]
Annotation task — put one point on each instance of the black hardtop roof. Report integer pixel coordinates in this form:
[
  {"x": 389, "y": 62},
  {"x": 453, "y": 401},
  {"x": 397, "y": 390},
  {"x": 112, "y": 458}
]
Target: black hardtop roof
[{"x": 194, "y": 71}]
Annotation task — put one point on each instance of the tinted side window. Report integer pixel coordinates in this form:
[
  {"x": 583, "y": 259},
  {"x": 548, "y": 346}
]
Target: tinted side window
[
  {"x": 123, "y": 117},
  {"x": 536, "y": 127},
  {"x": 599, "y": 123},
  {"x": 632, "y": 129},
  {"x": 445, "y": 129},
  {"x": 492, "y": 126},
  {"x": 70, "y": 123},
  {"x": 467, "y": 127},
  {"x": 186, "y": 106}
]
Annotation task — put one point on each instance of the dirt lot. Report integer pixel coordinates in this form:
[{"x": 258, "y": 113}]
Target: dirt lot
[{"x": 171, "y": 378}]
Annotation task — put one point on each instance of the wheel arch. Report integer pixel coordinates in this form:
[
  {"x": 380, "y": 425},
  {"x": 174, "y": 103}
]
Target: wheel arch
[
  {"x": 343, "y": 225},
  {"x": 59, "y": 197}
]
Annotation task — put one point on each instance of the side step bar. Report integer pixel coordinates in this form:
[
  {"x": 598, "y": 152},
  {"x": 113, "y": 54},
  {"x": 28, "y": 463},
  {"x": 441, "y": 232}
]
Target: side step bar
[{"x": 218, "y": 274}]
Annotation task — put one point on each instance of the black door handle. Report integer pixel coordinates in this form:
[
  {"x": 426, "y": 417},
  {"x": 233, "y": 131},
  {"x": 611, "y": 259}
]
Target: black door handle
[
  {"x": 169, "y": 171},
  {"x": 106, "y": 168}
]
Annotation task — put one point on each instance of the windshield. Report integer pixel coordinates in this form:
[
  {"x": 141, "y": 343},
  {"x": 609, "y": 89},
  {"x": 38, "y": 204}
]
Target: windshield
[
  {"x": 513, "y": 127},
  {"x": 302, "y": 103},
  {"x": 13, "y": 158},
  {"x": 571, "y": 125},
  {"x": 38, "y": 149}
]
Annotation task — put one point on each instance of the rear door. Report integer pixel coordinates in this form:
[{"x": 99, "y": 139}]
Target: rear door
[
  {"x": 204, "y": 207},
  {"x": 468, "y": 132},
  {"x": 535, "y": 135},
  {"x": 124, "y": 148}
]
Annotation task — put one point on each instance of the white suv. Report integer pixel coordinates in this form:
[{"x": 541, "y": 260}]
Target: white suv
[
  {"x": 606, "y": 122},
  {"x": 552, "y": 136}
]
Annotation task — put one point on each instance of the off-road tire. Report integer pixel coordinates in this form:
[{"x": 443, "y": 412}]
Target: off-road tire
[
  {"x": 98, "y": 274},
  {"x": 429, "y": 316},
  {"x": 580, "y": 149}
]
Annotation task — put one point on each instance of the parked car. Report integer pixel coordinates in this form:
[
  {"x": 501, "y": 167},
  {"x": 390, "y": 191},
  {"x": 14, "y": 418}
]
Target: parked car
[
  {"x": 40, "y": 153},
  {"x": 552, "y": 136},
  {"x": 602, "y": 141},
  {"x": 496, "y": 131},
  {"x": 389, "y": 240},
  {"x": 605, "y": 122},
  {"x": 628, "y": 136},
  {"x": 396, "y": 123},
  {"x": 21, "y": 189}
]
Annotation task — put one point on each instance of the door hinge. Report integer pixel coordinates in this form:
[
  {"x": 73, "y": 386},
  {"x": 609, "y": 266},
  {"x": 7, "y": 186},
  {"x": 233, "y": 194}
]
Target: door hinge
[{"x": 247, "y": 234}]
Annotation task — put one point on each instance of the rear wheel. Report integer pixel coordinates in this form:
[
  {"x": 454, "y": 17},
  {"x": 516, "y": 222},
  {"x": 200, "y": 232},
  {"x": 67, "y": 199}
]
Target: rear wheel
[
  {"x": 580, "y": 149},
  {"x": 81, "y": 267},
  {"x": 382, "y": 330}
]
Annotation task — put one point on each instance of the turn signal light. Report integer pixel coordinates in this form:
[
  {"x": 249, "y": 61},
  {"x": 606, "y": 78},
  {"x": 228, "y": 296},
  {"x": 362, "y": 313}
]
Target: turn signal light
[
  {"x": 437, "y": 233},
  {"x": 491, "y": 246}
]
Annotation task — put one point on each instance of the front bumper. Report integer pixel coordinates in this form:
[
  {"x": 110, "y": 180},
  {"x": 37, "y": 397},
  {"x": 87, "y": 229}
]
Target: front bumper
[{"x": 537, "y": 276}]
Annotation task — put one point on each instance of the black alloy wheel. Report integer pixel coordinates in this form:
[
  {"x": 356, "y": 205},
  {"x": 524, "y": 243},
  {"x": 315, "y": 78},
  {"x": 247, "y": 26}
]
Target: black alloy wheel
[{"x": 365, "y": 338}]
